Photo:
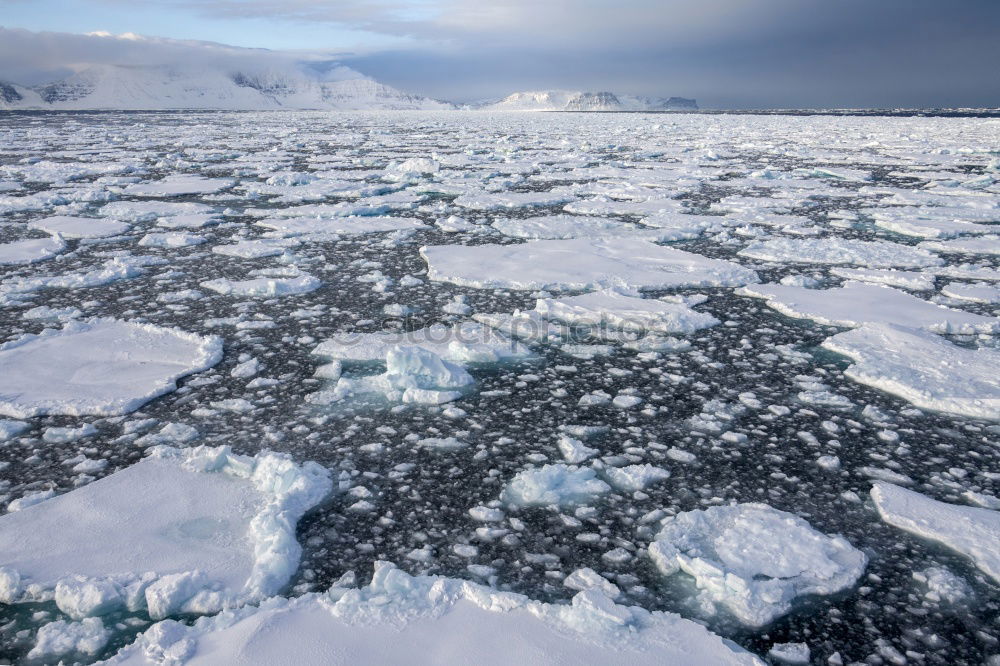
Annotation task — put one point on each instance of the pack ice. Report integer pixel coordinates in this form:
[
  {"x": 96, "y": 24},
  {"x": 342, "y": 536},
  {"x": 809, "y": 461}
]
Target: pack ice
[
  {"x": 873, "y": 254},
  {"x": 580, "y": 263},
  {"x": 755, "y": 560},
  {"x": 399, "y": 618},
  {"x": 184, "y": 530},
  {"x": 971, "y": 531},
  {"x": 615, "y": 309},
  {"x": 923, "y": 368},
  {"x": 101, "y": 366},
  {"x": 31, "y": 251}
]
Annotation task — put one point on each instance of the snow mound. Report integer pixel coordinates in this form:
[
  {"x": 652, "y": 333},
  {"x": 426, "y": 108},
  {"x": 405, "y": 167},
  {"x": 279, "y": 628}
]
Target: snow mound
[
  {"x": 753, "y": 559},
  {"x": 101, "y": 366},
  {"x": 468, "y": 342},
  {"x": 554, "y": 485},
  {"x": 580, "y": 264},
  {"x": 613, "y": 309},
  {"x": 420, "y": 620},
  {"x": 923, "y": 369},
  {"x": 80, "y": 227},
  {"x": 31, "y": 251},
  {"x": 184, "y": 530},
  {"x": 857, "y": 303},
  {"x": 873, "y": 254},
  {"x": 971, "y": 531}
]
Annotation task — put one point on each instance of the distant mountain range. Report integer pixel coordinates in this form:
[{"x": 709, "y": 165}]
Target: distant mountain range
[{"x": 123, "y": 87}]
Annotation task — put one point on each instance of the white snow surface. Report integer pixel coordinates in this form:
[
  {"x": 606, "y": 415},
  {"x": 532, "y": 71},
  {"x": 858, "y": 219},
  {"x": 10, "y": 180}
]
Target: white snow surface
[
  {"x": 922, "y": 368},
  {"x": 859, "y": 303},
  {"x": 755, "y": 560},
  {"x": 614, "y": 309},
  {"x": 873, "y": 254},
  {"x": 418, "y": 620},
  {"x": 31, "y": 251},
  {"x": 580, "y": 264},
  {"x": 969, "y": 530},
  {"x": 100, "y": 366},
  {"x": 183, "y": 530},
  {"x": 80, "y": 227}
]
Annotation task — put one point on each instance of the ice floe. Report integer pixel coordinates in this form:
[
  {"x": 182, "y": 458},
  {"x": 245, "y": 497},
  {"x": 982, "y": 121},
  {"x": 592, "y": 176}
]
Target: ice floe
[
  {"x": 100, "y": 366},
  {"x": 554, "y": 485},
  {"x": 419, "y": 620},
  {"x": 31, "y": 251},
  {"x": 580, "y": 264},
  {"x": 923, "y": 368},
  {"x": 858, "y": 303},
  {"x": 177, "y": 186},
  {"x": 873, "y": 254},
  {"x": 467, "y": 342},
  {"x": 264, "y": 287},
  {"x": 184, "y": 530},
  {"x": 302, "y": 226},
  {"x": 969, "y": 530},
  {"x": 613, "y": 309},
  {"x": 80, "y": 227},
  {"x": 755, "y": 560},
  {"x": 978, "y": 245}
]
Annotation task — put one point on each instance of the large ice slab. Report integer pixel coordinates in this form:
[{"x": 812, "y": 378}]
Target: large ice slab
[
  {"x": 425, "y": 620},
  {"x": 858, "y": 303},
  {"x": 613, "y": 309},
  {"x": 923, "y": 368},
  {"x": 971, "y": 531},
  {"x": 101, "y": 366},
  {"x": 264, "y": 287},
  {"x": 873, "y": 254},
  {"x": 31, "y": 251},
  {"x": 178, "y": 186},
  {"x": 979, "y": 245},
  {"x": 467, "y": 342},
  {"x": 80, "y": 227},
  {"x": 346, "y": 226},
  {"x": 755, "y": 560},
  {"x": 575, "y": 226},
  {"x": 580, "y": 264},
  {"x": 184, "y": 530}
]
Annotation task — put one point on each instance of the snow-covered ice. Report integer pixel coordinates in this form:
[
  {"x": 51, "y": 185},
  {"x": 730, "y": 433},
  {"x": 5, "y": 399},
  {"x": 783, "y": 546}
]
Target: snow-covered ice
[
  {"x": 872, "y": 254},
  {"x": 923, "y": 368},
  {"x": 80, "y": 227},
  {"x": 580, "y": 264},
  {"x": 31, "y": 251},
  {"x": 264, "y": 287},
  {"x": 194, "y": 530},
  {"x": 614, "y": 309},
  {"x": 755, "y": 560},
  {"x": 100, "y": 366}
]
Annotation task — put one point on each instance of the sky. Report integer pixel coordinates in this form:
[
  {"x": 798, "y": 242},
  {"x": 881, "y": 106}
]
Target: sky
[{"x": 725, "y": 53}]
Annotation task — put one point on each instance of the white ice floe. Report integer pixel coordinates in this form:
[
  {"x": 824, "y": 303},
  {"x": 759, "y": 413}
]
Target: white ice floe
[
  {"x": 413, "y": 375},
  {"x": 424, "y": 620},
  {"x": 979, "y": 245},
  {"x": 101, "y": 366},
  {"x": 927, "y": 222},
  {"x": 171, "y": 239},
  {"x": 857, "y": 303},
  {"x": 31, "y": 251},
  {"x": 468, "y": 342},
  {"x": 554, "y": 485},
  {"x": 969, "y": 530},
  {"x": 613, "y": 309},
  {"x": 184, "y": 530},
  {"x": 264, "y": 287},
  {"x": 146, "y": 211},
  {"x": 10, "y": 428},
  {"x": 62, "y": 638},
  {"x": 580, "y": 264},
  {"x": 188, "y": 221},
  {"x": 923, "y": 369},
  {"x": 510, "y": 200},
  {"x": 635, "y": 477},
  {"x": 572, "y": 226},
  {"x": 890, "y": 277},
  {"x": 873, "y": 254},
  {"x": 345, "y": 226},
  {"x": 178, "y": 185},
  {"x": 80, "y": 227},
  {"x": 754, "y": 560},
  {"x": 256, "y": 249},
  {"x": 976, "y": 293}
]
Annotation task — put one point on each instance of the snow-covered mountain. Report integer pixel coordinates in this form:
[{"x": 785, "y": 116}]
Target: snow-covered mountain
[
  {"x": 567, "y": 100},
  {"x": 167, "y": 87}
]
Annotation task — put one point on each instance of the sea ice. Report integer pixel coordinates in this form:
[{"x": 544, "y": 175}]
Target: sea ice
[
  {"x": 554, "y": 485},
  {"x": 184, "y": 530},
  {"x": 146, "y": 211},
  {"x": 347, "y": 225},
  {"x": 858, "y": 303},
  {"x": 617, "y": 310},
  {"x": 256, "y": 249},
  {"x": 80, "y": 227},
  {"x": 101, "y": 366},
  {"x": 890, "y": 277},
  {"x": 753, "y": 559},
  {"x": 873, "y": 254},
  {"x": 31, "y": 251},
  {"x": 580, "y": 264},
  {"x": 178, "y": 186},
  {"x": 923, "y": 368},
  {"x": 424, "y": 620},
  {"x": 977, "y": 293},
  {"x": 264, "y": 287},
  {"x": 969, "y": 530},
  {"x": 980, "y": 245},
  {"x": 171, "y": 239}
]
